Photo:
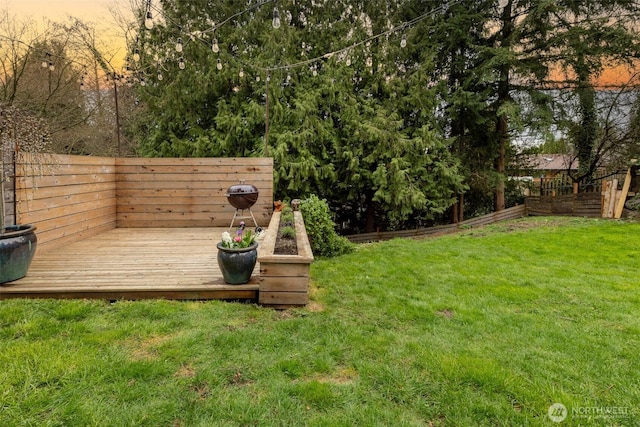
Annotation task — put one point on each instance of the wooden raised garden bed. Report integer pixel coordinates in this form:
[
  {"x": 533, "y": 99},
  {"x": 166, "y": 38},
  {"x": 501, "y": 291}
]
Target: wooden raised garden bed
[{"x": 284, "y": 279}]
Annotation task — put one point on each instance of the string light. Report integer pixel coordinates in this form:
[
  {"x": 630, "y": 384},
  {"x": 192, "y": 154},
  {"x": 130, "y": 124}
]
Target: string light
[
  {"x": 136, "y": 55},
  {"x": 148, "y": 22},
  {"x": 241, "y": 73},
  {"x": 276, "y": 23},
  {"x": 276, "y": 18}
]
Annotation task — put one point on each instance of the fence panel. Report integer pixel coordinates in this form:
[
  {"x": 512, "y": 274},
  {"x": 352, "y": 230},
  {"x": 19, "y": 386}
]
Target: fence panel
[
  {"x": 511, "y": 213},
  {"x": 189, "y": 192},
  {"x": 73, "y": 197},
  {"x": 580, "y": 204},
  {"x": 67, "y": 197}
]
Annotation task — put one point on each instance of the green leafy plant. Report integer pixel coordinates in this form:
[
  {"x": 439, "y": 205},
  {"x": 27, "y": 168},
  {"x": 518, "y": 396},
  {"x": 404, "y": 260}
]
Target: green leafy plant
[
  {"x": 242, "y": 239},
  {"x": 634, "y": 203},
  {"x": 320, "y": 227},
  {"x": 288, "y": 232},
  {"x": 286, "y": 216}
]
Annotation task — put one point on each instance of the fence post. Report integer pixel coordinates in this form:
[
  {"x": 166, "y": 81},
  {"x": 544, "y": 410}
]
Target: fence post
[{"x": 9, "y": 194}]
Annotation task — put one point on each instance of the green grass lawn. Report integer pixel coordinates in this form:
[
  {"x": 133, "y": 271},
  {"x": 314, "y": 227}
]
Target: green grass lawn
[{"x": 490, "y": 326}]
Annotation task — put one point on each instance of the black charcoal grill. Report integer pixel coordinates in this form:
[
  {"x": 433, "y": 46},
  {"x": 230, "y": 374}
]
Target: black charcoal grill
[{"x": 242, "y": 197}]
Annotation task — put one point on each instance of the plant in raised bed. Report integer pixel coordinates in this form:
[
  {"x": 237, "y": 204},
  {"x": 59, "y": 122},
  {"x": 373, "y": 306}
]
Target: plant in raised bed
[
  {"x": 23, "y": 133},
  {"x": 286, "y": 237}
]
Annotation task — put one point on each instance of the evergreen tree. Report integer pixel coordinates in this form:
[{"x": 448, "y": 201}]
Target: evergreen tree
[{"x": 355, "y": 127}]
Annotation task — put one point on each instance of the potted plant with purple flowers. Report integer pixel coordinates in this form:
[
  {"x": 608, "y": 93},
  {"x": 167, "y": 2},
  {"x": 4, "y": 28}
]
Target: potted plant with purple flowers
[{"x": 237, "y": 255}]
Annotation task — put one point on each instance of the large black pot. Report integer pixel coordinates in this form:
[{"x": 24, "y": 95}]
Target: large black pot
[
  {"x": 237, "y": 264},
  {"x": 17, "y": 248}
]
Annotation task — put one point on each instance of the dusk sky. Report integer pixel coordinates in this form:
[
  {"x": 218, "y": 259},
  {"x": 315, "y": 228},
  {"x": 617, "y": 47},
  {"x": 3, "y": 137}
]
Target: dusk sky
[
  {"x": 91, "y": 10},
  {"x": 95, "y": 12}
]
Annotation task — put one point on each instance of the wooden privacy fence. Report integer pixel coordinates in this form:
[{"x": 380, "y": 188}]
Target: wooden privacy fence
[
  {"x": 511, "y": 213},
  {"x": 72, "y": 197},
  {"x": 188, "y": 192},
  {"x": 579, "y": 204},
  {"x": 67, "y": 197}
]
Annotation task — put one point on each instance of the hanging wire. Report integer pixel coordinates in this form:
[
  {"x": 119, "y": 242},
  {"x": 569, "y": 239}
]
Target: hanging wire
[
  {"x": 395, "y": 29},
  {"x": 214, "y": 44}
]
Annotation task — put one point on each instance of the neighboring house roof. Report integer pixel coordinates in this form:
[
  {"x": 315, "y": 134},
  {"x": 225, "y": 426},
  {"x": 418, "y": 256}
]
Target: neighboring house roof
[{"x": 552, "y": 162}]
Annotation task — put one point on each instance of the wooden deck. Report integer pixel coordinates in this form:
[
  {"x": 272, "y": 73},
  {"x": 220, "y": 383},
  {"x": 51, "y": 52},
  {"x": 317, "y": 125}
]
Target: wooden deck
[{"x": 133, "y": 263}]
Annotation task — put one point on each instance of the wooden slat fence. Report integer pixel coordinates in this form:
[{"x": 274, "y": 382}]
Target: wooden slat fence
[
  {"x": 579, "y": 204},
  {"x": 189, "y": 192},
  {"x": 67, "y": 197},
  {"x": 511, "y": 213},
  {"x": 73, "y": 197}
]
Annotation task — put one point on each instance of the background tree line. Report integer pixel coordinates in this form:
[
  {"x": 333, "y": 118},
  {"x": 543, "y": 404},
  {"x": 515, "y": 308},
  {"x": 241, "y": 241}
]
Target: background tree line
[
  {"x": 60, "y": 72},
  {"x": 400, "y": 113}
]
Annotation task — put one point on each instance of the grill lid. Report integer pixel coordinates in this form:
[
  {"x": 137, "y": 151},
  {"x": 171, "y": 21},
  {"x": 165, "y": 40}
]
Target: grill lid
[
  {"x": 242, "y": 189},
  {"x": 242, "y": 196}
]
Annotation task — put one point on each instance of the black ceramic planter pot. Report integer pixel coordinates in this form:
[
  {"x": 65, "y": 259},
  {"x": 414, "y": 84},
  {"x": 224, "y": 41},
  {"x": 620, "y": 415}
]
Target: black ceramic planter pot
[
  {"x": 237, "y": 264},
  {"x": 17, "y": 248}
]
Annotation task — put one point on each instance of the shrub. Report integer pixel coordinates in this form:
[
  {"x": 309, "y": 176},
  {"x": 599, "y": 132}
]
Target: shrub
[
  {"x": 633, "y": 205},
  {"x": 321, "y": 229}
]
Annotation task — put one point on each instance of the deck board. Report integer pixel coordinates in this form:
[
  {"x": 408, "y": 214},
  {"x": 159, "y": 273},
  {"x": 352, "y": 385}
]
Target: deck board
[{"x": 133, "y": 263}]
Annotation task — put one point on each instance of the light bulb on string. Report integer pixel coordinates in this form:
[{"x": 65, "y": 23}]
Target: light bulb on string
[
  {"x": 241, "y": 73},
  {"x": 45, "y": 64},
  {"x": 214, "y": 46},
  {"x": 51, "y": 66},
  {"x": 219, "y": 64},
  {"x": 369, "y": 61},
  {"x": 148, "y": 22},
  {"x": 181, "y": 63},
  {"x": 136, "y": 55},
  {"x": 403, "y": 41},
  {"x": 276, "y": 18},
  {"x": 179, "y": 45},
  {"x": 348, "y": 61},
  {"x": 160, "y": 77},
  {"x": 142, "y": 82}
]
